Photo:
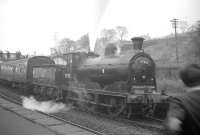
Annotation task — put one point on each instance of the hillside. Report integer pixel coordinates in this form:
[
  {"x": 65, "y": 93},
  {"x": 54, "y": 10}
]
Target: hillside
[{"x": 163, "y": 50}]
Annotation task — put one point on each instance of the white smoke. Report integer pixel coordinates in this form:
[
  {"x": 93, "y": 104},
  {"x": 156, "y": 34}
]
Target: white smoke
[
  {"x": 97, "y": 9},
  {"x": 44, "y": 106}
]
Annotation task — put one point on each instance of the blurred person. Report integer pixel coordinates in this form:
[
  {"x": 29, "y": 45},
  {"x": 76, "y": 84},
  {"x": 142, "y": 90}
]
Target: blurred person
[{"x": 183, "y": 117}]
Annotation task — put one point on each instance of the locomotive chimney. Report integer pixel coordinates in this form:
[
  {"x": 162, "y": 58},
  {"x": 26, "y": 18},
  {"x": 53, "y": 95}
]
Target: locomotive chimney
[{"x": 137, "y": 43}]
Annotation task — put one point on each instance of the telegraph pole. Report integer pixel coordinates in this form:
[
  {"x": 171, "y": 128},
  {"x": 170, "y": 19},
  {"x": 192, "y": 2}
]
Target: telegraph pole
[
  {"x": 53, "y": 49},
  {"x": 174, "y": 25}
]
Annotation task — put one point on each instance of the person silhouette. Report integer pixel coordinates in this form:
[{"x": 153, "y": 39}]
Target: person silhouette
[{"x": 183, "y": 117}]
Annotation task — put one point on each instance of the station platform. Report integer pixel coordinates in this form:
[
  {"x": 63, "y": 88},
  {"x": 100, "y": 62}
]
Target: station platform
[
  {"x": 13, "y": 124},
  {"x": 16, "y": 120}
]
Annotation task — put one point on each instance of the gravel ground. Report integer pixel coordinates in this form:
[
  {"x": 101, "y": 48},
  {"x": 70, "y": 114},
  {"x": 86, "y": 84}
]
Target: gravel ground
[{"x": 104, "y": 125}]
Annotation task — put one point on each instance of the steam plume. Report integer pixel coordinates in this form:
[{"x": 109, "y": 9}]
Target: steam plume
[
  {"x": 97, "y": 9},
  {"x": 45, "y": 106}
]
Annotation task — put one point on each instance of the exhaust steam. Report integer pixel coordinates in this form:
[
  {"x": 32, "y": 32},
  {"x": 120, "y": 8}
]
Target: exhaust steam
[
  {"x": 97, "y": 9},
  {"x": 45, "y": 106}
]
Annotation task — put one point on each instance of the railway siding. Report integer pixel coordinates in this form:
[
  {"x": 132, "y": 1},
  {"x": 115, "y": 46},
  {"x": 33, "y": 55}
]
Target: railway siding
[{"x": 57, "y": 126}]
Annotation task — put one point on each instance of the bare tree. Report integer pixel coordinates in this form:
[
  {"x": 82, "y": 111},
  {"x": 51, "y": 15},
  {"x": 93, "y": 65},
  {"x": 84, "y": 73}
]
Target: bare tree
[
  {"x": 54, "y": 51},
  {"x": 121, "y": 32},
  {"x": 193, "y": 53},
  {"x": 83, "y": 42},
  {"x": 66, "y": 45},
  {"x": 18, "y": 55},
  {"x": 7, "y": 55},
  {"x": 108, "y": 34},
  {"x": 1, "y": 55},
  {"x": 198, "y": 28},
  {"x": 197, "y": 39},
  {"x": 183, "y": 25}
]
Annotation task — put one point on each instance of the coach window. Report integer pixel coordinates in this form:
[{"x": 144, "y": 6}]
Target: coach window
[
  {"x": 71, "y": 58},
  {"x": 16, "y": 68},
  {"x": 13, "y": 68}
]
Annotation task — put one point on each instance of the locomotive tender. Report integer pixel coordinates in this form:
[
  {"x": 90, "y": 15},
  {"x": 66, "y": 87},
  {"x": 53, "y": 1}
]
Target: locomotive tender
[{"x": 116, "y": 84}]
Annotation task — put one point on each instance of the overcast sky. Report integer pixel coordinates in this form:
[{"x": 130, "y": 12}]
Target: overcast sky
[{"x": 30, "y": 25}]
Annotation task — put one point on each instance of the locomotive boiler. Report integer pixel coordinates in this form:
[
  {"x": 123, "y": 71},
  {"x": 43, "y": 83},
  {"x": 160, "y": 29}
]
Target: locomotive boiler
[{"x": 135, "y": 69}]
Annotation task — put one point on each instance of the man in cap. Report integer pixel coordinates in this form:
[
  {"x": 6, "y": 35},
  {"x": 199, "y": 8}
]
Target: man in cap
[{"x": 183, "y": 117}]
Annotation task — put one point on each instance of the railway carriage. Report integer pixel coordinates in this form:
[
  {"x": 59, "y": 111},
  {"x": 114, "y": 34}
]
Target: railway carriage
[{"x": 19, "y": 72}]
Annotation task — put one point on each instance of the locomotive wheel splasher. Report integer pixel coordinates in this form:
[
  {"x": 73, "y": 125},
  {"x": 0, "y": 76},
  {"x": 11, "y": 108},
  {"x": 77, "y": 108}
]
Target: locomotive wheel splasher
[{"x": 118, "y": 105}]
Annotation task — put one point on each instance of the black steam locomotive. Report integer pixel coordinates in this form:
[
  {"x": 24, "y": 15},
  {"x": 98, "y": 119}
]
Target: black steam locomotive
[{"x": 116, "y": 84}]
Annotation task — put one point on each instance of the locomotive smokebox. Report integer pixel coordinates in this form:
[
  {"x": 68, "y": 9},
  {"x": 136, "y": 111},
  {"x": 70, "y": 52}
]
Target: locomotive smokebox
[{"x": 137, "y": 43}]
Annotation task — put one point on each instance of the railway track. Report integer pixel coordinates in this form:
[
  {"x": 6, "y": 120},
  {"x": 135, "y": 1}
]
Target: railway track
[
  {"x": 147, "y": 122},
  {"x": 96, "y": 123},
  {"x": 51, "y": 122}
]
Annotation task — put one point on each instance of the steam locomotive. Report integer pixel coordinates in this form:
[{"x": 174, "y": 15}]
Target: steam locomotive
[{"x": 117, "y": 84}]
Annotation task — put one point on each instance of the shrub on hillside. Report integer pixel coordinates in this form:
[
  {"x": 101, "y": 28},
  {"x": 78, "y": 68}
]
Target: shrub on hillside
[{"x": 171, "y": 86}]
